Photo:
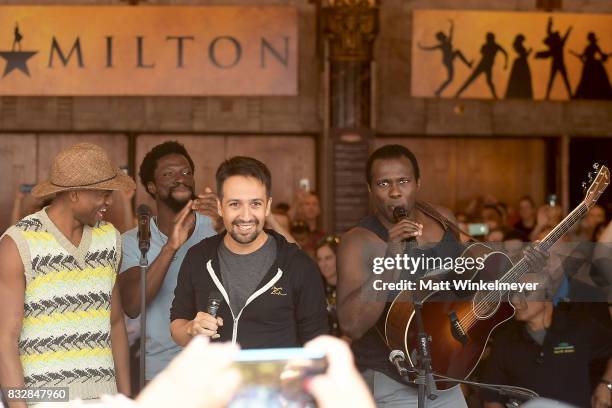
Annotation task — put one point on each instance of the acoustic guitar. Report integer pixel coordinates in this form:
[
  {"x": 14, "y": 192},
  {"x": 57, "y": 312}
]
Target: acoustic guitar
[{"x": 460, "y": 327}]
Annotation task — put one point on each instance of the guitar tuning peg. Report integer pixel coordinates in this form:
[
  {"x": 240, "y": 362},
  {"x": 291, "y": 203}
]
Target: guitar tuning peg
[
  {"x": 595, "y": 166},
  {"x": 584, "y": 184},
  {"x": 590, "y": 176}
]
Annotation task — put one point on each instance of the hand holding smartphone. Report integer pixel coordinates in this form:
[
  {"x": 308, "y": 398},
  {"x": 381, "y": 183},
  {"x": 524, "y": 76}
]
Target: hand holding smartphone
[{"x": 275, "y": 377}]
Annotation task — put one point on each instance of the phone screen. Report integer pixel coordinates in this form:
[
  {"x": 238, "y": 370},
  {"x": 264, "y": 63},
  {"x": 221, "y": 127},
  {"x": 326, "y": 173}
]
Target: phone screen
[
  {"x": 274, "y": 377},
  {"x": 478, "y": 229},
  {"x": 26, "y": 188},
  {"x": 305, "y": 184}
]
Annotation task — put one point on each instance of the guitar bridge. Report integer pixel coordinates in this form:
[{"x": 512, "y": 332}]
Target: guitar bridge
[{"x": 456, "y": 329}]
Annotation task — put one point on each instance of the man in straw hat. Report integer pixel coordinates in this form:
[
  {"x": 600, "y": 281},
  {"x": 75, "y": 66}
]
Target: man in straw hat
[{"x": 62, "y": 323}]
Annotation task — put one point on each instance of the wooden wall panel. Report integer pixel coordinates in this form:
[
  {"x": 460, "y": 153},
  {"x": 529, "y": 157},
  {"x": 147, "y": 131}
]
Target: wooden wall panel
[
  {"x": 455, "y": 170},
  {"x": 288, "y": 158},
  {"x": 17, "y": 166},
  {"x": 116, "y": 145}
]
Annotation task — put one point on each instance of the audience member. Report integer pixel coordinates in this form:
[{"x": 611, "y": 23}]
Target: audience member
[
  {"x": 547, "y": 217},
  {"x": 602, "y": 257},
  {"x": 281, "y": 208},
  {"x": 326, "y": 251},
  {"x": 308, "y": 210},
  {"x": 496, "y": 235},
  {"x": 527, "y": 217},
  {"x": 26, "y": 204},
  {"x": 121, "y": 214},
  {"x": 492, "y": 216},
  {"x": 548, "y": 350},
  {"x": 301, "y": 233}
]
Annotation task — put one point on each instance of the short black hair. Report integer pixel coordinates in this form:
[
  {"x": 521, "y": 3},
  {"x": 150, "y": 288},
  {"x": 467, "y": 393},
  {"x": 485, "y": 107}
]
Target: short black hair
[
  {"x": 243, "y": 166},
  {"x": 494, "y": 207},
  {"x": 149, "y": 163},
  {"x": 392, "y": 151},
  {"x": 528, "y": 199}
]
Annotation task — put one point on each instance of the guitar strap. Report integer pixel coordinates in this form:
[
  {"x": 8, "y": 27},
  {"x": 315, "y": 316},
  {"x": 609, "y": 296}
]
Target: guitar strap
[{"x": 430, "y": 210}]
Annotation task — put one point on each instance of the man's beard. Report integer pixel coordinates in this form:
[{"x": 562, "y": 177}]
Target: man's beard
[
  {"x": 174, "y": 204},
  {"x": 241, "y": 238}
]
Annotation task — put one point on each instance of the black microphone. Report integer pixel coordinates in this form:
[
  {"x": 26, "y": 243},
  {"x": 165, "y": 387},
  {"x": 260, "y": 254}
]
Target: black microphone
[
  {"x": 397, "y": 358},
  {"x": 144, "y": 231},
  {"x": 400, "y": 213},
  {"x": 215, "y": 299}
]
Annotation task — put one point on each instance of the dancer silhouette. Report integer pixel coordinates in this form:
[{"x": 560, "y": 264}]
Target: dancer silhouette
[
  {"x": 594, "y": 82},
  {"x": 18, "y": 38},
  {"x": 555, "y": 44},
  {"x": 519, "y": 85},
  {"x": 488, "y": 51},
  {"x": 445, "y": 44}
]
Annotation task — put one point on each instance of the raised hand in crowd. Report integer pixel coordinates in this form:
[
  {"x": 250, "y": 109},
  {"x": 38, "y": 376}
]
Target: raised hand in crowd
[
  {"x": 548, "y": 217},
  {"x": 206, "y": 204}
]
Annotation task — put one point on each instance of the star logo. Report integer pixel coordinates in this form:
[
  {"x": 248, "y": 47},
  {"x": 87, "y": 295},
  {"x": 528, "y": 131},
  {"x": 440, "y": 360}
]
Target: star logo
[{"x": 16, "y": 58}]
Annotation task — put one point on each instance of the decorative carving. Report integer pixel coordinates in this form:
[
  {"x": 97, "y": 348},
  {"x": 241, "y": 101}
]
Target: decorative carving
[{"x": 351, "y": 26}]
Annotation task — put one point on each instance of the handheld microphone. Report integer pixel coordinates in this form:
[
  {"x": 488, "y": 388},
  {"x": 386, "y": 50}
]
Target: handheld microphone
[
  {"x": 400, "y": 213},
  {"x": 144, "y": 231},
  {"x": 397, "y": 358},
  {"x": 215, "y": 299}
]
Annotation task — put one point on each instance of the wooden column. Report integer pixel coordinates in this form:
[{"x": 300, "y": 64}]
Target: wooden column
[{"x": 349, "y": 27}]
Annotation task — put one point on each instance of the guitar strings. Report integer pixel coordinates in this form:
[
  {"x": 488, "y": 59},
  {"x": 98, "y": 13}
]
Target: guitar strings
[{"x": 522, "y": 267}]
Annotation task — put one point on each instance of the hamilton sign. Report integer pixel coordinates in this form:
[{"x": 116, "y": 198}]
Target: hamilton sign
[{"x": 148, "y": 50}]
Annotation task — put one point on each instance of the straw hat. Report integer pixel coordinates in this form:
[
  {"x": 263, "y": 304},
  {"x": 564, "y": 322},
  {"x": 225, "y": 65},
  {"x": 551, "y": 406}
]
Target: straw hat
[{"x": 83, "y": 166}]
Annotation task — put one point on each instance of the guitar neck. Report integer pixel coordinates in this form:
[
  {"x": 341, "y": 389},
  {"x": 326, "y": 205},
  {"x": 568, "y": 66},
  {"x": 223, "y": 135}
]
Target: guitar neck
[
  {"x": 522, "y": 267},
  {"x": 564, "y": 226}
]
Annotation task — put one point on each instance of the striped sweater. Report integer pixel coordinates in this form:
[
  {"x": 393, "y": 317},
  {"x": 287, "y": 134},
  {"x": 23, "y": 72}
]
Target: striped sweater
[{"x": 65, "y": 338}]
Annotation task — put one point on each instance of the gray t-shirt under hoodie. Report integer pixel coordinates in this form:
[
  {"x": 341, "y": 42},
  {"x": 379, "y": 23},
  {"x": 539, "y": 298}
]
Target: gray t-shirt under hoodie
[{"x": 242, "y": 274}]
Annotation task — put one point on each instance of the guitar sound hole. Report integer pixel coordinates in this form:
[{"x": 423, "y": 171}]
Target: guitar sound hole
[{"x": 485, "y": 303}]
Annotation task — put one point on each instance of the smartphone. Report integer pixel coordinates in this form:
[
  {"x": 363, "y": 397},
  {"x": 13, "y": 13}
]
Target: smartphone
[
  {"x": 305, "y": 184},
  {"x": 275, "y": 377},
  {"x": 478, "y": 229},
  {"x": 124, "y": 169},
  {"x": 26, "y": 188},
  {"x": 552, "y": 200}
]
